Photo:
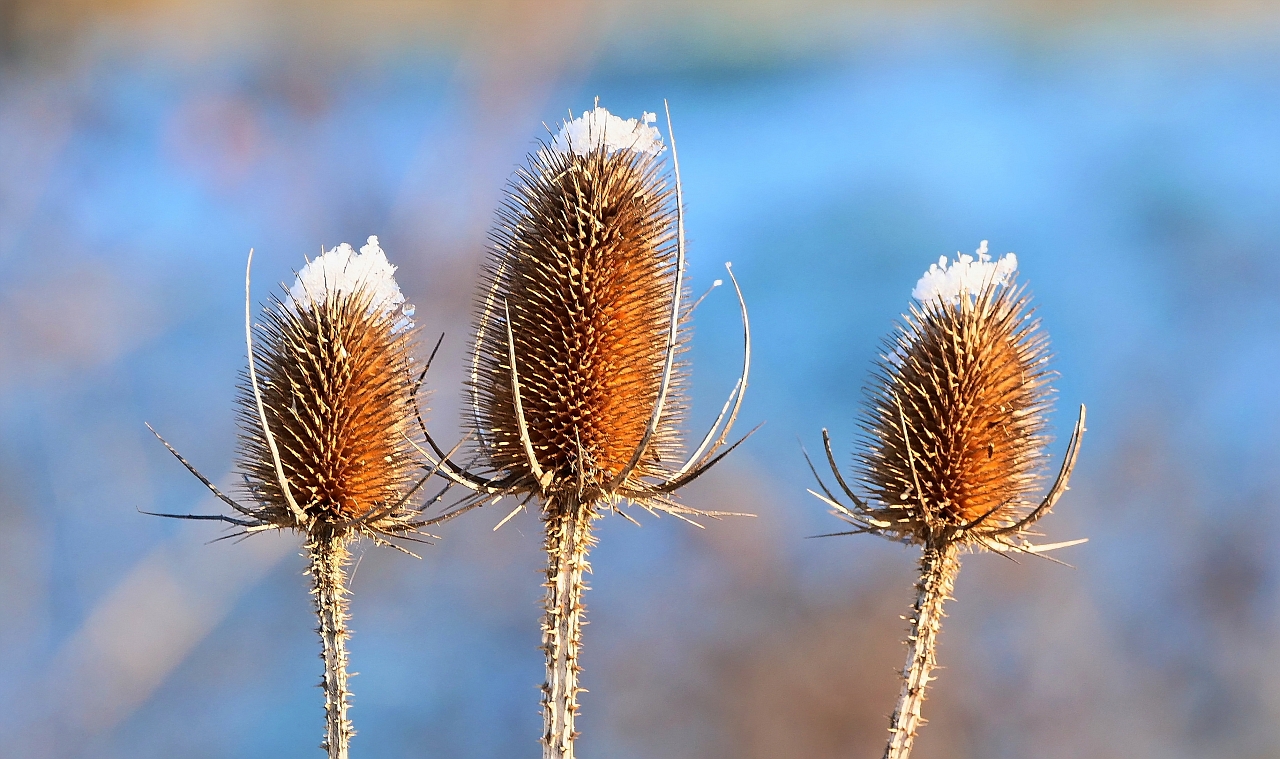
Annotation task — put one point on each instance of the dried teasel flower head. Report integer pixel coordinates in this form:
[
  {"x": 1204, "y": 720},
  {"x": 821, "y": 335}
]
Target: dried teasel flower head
[
  {"x": 582, "y": 276},
  {"x": 953, "y": 444},
  {"x": 575, "y": 389},
  {"x": 326, "y": 412},
  {"x": 574, "y": 383},
  {"x": 954, "y": 433}
]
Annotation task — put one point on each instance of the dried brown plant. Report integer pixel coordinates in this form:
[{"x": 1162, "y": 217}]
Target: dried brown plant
[
  {"x": 575, "y": 385},
  {"x": 953, "y": 445},
  {"x": 326, "y": 411}
]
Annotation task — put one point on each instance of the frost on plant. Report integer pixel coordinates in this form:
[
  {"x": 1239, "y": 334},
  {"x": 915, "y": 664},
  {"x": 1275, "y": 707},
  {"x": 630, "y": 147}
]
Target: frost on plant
[
  {"x": 343, "y": 271},
  {"x": 946, "y": 282},
  {"x": 599, "y": 128}
]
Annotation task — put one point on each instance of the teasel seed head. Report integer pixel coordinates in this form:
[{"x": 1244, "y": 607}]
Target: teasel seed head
[
  {"x": 333, "y": 370},
  {"x": 581, "y": 277},
  {"x": 954, "y": 431},
  {"x": 575, "y": 387},
  {"x": 955, "y": 424}
]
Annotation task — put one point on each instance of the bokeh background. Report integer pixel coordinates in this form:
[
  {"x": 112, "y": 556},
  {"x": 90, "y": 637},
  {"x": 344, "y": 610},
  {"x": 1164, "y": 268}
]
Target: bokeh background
[{"x": 1128, "y": 152}]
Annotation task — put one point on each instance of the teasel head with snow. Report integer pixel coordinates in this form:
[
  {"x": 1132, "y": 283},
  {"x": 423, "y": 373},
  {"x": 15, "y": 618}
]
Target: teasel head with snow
[
  {"x": 953, "y": 443},
  {"x": 954, "y": 431},
  {"x": 327, "y": 410},
  {"x": 327, "y": 417},
  {"x": 576, "y": 390}
]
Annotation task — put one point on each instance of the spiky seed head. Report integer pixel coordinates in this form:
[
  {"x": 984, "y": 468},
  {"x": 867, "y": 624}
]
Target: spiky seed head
[
  {"x": 333, "y": 366},
  {"x": 583, "y": 260},
  {"x": 955, "y": 429}
]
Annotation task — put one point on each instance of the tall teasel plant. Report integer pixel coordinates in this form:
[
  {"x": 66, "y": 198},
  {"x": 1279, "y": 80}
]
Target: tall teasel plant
[
  {"x": 326, "y": 411},
  {"x": 575, "y": 387},
  {"x": 953, "y": 445}
]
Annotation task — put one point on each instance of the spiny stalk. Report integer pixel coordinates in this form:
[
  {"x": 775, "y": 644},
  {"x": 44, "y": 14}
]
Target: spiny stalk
[
  {"x": 329, "y": 557},
  {"x": 938, "y": 569},
  {"x": 568, "y": 539}
]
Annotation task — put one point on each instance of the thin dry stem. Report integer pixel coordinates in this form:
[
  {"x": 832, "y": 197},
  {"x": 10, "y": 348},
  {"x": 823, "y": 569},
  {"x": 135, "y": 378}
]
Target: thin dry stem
[
  {"x": 938, "y": 569},
  {"x": 329, "y": 558},
  {"x": 568, "y": 540}
]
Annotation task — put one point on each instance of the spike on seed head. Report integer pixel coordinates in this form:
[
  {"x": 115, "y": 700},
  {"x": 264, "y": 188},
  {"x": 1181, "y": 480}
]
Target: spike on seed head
[
  {"x": 955, "y": 429},
  {"x": 583, "y": 261},
  {"x": 333, "y": 369}
]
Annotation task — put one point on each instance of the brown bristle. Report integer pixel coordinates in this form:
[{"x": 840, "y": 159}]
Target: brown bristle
[
  {"x": 954, "y": 428},
  {"x": 337, "y": 391},
  {"x": 584, "y": 262}
]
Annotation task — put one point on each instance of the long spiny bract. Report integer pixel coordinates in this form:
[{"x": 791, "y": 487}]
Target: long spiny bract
[
  {"x": 584, "y": 264},
  {"x": 957, "y": 406}
]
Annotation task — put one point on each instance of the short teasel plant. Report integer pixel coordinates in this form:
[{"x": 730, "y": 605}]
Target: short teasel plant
[
  {"x": 326, "y": 411},
  {"x": 953, "y": 444},
  {"x": 575, "y": 385}
]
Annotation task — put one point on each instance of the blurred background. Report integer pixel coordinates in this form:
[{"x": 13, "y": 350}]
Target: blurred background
[{"x": 1128, "y": 152}]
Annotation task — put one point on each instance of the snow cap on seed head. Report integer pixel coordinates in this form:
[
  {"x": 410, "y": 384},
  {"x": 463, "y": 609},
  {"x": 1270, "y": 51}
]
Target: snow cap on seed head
[
  {"x": 598, "y": 127},
  {"x": 342, "y": 271},
  {"x": 947, "y": 282}
]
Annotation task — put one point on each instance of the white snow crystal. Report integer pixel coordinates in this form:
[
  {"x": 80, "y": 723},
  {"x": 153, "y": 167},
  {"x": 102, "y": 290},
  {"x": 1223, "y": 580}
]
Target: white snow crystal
[
  {"x": 599, "y": 127},
  {"x": 342, "y": 271},
  {"x": 947, "y": 282}
]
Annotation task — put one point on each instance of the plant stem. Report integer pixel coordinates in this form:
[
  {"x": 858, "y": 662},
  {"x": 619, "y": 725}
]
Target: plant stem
[
  {"x": 938, "y": 569},
  {"x": 568, "y": 540},
  {"x": 329, "y": 558}
]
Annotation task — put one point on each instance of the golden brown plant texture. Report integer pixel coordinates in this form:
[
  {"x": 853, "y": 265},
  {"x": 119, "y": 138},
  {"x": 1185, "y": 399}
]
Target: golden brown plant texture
[
  {"x": 575, "y": 386},
  {"x": 953, "y": 444},
  {"x": 338, "y": 395},
  {"x": 326, "y": 411},
  {"x": 584, "y": 268},
  {"x": 954, "y": 431}
]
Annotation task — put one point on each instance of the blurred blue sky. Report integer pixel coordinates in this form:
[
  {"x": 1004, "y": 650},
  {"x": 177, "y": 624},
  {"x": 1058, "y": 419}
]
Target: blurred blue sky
[{"x": 1133, "y": 166}]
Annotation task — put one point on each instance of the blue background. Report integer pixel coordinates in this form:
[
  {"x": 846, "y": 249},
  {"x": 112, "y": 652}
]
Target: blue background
[{"x": 832, "y": 152}]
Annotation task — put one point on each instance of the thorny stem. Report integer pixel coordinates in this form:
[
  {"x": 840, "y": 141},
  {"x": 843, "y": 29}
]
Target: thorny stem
[
  {"x": 938, "y": 569},
  {"x": 329, "y": 558},
  {"x": 568, "y": 540}
]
